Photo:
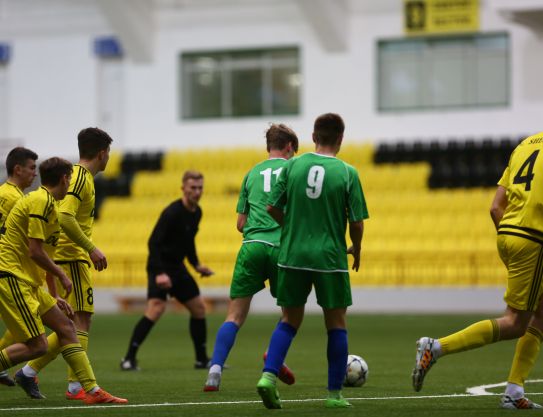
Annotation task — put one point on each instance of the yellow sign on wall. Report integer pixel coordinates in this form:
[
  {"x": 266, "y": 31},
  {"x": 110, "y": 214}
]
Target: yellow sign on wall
[{"x": 425, "y": 17}]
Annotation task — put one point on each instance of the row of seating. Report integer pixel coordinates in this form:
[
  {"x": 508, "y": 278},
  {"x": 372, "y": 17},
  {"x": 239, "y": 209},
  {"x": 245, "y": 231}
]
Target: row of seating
[
  {"x": 415, "y": 235},
  {"x": 403, "y": 151},
  {"x": 456, "y": 163}
]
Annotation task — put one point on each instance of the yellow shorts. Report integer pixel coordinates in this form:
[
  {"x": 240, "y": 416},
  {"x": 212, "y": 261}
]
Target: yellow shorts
[
  {"x": 523, "y": 259},
  {"x": 81, "y": 297},
  {"x": 21, "y": 307}
]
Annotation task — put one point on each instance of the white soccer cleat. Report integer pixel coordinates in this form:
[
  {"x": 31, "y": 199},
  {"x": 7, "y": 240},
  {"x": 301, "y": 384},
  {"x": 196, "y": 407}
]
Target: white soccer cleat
[
  {"x": 213, "y": 382},
  {"x": 521, "y": 403},
  {"x": 424, "y": 360}
]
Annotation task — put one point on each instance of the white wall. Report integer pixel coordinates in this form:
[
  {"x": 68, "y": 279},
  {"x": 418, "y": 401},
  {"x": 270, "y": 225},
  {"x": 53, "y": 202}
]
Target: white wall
[{"x": 53, "y": 77}]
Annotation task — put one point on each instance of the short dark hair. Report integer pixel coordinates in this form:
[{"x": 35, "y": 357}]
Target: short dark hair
[
  {"x": 53, "y": 169},
  {"x": 192, "y": 175},
  {"x": 328, "y": 128},
  {"x": 18, "y": 156},
  {"x": 91, "y": 141},
  {"x": 279, "y": 135}
]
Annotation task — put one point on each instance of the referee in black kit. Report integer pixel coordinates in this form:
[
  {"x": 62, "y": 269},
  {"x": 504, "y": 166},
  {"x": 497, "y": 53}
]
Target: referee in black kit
[{"x": 171, "y": 241}]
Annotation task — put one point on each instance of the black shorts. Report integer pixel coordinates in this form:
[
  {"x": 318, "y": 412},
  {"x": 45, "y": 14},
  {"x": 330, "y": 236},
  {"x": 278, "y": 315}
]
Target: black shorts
[{"x": 184, "y": 288}]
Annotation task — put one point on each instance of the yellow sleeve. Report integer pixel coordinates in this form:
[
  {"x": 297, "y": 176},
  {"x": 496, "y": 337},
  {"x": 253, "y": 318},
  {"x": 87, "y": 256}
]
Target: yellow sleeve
[
  {"x": 504, "y": 180},
  {"x": 70, "y": 204},
  {"x": 37, "y": 220}
]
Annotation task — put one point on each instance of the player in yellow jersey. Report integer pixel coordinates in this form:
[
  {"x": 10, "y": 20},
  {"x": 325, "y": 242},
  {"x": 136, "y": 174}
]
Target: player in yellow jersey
[
  {"x": 21, "y": 169},
  {"x": 517, "y": 212},
  {"x": 75, "y": 250},
  {"x": 32, "y": 233}
]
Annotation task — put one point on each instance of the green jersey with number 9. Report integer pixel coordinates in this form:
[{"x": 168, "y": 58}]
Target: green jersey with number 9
[
  {"x": 253, "y": 197},
  {"x": 523, "y": 180},
  {"x": 319, "y": 194}
]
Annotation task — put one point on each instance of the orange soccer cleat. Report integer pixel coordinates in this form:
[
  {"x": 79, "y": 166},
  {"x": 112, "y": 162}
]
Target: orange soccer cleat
[
  {"x": 103, "y": 397},
  {"x": 79, "y": 395}
]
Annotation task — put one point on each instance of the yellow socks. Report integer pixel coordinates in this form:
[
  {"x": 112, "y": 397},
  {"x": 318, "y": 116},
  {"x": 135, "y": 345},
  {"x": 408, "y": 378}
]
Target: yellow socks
[
  {"x": 477, "y": 335},
  {"x": 77, "y": 358},
  {"x": 5, "y": 362},
  {"x": 53, "y": 349},
  {"x": 526, "y": 353},
  {"x": 84, "y": 341}
]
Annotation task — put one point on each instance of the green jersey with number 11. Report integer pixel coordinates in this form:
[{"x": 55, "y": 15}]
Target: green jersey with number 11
[
  {"x": 253, "y": 197},
  {"x": 319, "y": 194}
]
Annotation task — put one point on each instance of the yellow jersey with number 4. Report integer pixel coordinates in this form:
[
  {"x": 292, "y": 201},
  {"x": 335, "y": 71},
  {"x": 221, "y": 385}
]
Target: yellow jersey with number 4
[
  {"x": 79, "y": 202},
  {"x": 523, "y": 180}
]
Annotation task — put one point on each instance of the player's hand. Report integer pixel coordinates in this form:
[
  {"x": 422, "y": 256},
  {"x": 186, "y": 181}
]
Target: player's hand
[
  {"x": 356, "y": 256},
  {"x": 98, "y": 259},
  {"x": 163, "y": 281},
  {"x": 66, "y": 283},
  {"x": 66, "y": 307},
  {"x": 204, "y": 271}
]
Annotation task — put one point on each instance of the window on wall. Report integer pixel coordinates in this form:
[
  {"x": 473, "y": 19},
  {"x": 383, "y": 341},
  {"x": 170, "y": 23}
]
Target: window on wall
[
  {"x": 438, "y": 73},
  {"x": 240, "y": 83}
]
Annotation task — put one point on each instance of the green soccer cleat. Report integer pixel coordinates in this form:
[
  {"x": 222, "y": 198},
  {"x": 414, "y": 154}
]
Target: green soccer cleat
[
  {"x": 335, "y": 400},
  {"x": 337, "y": 403},
  {"x": 268, "y": 392}
]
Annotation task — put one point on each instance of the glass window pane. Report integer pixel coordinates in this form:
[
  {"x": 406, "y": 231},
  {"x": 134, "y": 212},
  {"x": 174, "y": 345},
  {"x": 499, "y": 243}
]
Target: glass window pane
[
  {"x": 462, "y": 71},
  {"x": 285, "y": 90},
  {"x": 400, "y": 83},
  {"x": 206, "y": 94},
  {"x": 444, "y": 85},
  {"x": 247, "y": 93},
  {"x": 240, "y": 83}
]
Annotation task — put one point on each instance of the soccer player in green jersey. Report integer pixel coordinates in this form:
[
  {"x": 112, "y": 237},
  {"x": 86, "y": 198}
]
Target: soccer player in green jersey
[
  {"x": 314, "y": 198},
  {"x": 517, "y": 213},
  {"x": 75, "y": 250},
  {"x": 257, "y": 257},
  {"x": 21, "y": 169},
  {"x": 26, "y": 248}
]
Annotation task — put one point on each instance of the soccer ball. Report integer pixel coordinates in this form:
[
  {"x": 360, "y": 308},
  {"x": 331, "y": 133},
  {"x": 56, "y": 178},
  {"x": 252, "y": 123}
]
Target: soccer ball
[{"x": 357, "y": 371}]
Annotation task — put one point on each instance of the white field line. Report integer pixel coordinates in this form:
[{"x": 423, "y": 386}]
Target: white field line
[
  {"x": 481, "y": 389},
  {"x": 212, "y": 403}
]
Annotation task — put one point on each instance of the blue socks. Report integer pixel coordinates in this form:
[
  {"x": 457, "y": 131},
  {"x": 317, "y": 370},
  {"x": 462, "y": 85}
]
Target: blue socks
[
  {"x": 337, "y": 352},
  {"x": 226, "y": 336},
  {"x": 279, "y": 344}
]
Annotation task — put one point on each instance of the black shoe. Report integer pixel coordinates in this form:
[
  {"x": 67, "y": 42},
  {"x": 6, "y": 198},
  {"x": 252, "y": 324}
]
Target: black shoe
[
  {"x": 5, "y": 379},
  {"x": 129, "y": 365},
  {"x": 202, "y": 365},
  {"x": 29, "y": 385}
]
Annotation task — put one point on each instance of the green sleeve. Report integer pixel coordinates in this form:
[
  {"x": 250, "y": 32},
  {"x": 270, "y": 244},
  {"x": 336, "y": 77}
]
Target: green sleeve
[
  {"x": 356, "y": 203},
  {"x": 278, "y": 195},
  {"x": 243, "y": 200}
]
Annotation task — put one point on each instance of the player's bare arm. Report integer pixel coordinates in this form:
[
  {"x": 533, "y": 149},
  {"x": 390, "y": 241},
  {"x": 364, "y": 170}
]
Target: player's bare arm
[
  {"x": 356, "y": 230},
  {"x": 242, "y": 219},
  {"x": 61, "y": 303},
  {"x": 71, "y": 227},
  {"x": 498, "y": 205},
  {"x": 204, "y": 270},
  {"x": 38, "y": 255},
  {"x": 98, "y": 259},
  {"x": 276, "y": 213}
]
